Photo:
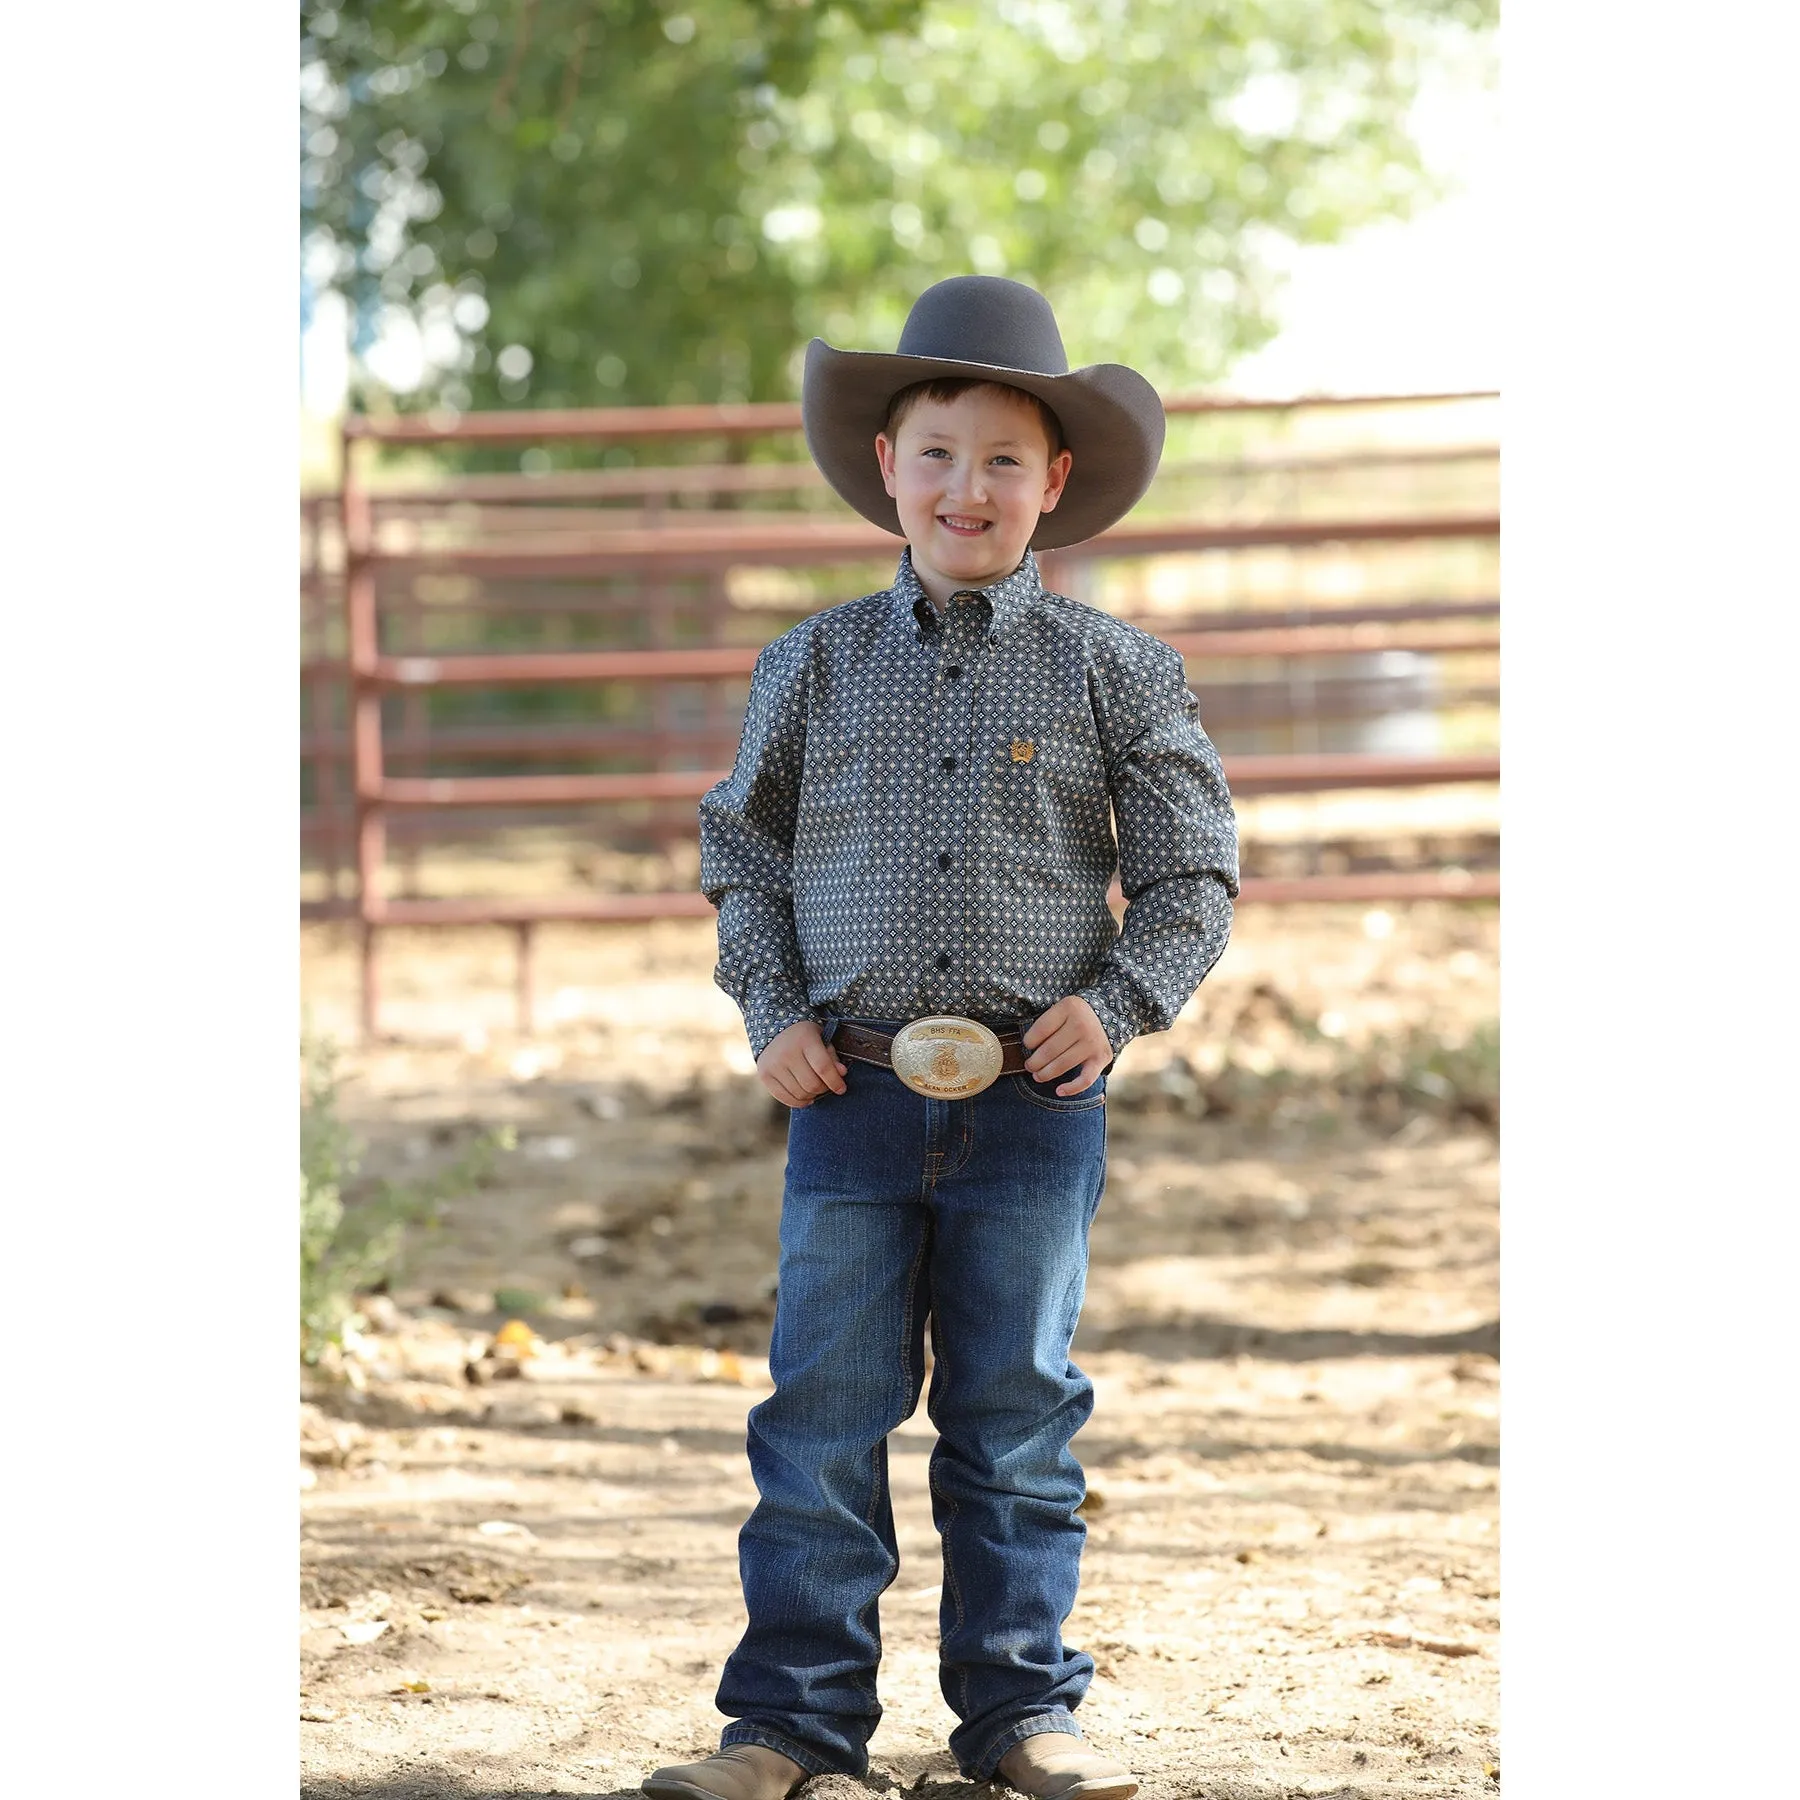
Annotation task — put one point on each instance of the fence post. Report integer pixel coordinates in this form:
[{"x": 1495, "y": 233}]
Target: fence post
[
  {"x": 316, "y": 696},
  {"x": 660, "y": 615},
  {"x": 522, "y": 977},
  {"x": 363, "y": 643}
]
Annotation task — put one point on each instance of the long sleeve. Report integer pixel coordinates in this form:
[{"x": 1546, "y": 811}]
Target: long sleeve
[
  {"x": 1178, "y": 861},
  {"x": 746, "y": 848}
]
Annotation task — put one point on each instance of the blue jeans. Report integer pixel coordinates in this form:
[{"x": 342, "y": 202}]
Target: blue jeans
[{"x": 975, "y": 1212}]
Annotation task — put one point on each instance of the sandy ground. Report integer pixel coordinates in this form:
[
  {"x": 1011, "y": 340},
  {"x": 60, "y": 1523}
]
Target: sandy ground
[{"x": 527, "y": 1585}]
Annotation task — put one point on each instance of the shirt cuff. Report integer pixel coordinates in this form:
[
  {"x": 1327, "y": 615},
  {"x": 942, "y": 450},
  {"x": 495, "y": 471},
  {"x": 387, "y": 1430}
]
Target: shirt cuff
[
  {"x": 769, "y": 1009},
  {"x": 1119, "y": 1025}
]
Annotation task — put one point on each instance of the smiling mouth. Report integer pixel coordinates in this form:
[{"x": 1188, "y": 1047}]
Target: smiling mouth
[{"x": 961, "y": 526}]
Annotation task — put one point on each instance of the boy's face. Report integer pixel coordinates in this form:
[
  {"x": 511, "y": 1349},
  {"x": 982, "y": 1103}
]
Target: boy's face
[{"x": 971, "y": 477}]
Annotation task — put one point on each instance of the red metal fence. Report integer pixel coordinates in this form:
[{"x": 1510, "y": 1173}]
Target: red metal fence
[{"x": 505, "y": 547}]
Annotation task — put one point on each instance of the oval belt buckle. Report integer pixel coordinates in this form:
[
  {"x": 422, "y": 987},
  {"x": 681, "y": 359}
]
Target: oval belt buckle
[{"x": 946, "y": 1057}]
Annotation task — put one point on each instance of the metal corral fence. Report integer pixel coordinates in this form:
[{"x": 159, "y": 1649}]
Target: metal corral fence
[{"x": 650, "y": 589}]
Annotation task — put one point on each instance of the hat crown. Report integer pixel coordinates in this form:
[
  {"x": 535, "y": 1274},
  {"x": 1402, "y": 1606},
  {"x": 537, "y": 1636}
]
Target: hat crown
[{"x": 985, "y": 319}]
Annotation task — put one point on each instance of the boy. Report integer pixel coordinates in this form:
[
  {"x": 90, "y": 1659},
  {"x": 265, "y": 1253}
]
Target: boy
[{"x": 911, "y": 861}]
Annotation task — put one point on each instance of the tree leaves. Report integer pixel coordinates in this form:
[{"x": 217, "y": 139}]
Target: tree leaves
[{"x": 663, "y": 201}]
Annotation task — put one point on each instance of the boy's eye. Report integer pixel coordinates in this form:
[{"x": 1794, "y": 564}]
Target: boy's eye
[
  {"x": 934, "y": 450},
  {"x": 1007, "y": 459}
]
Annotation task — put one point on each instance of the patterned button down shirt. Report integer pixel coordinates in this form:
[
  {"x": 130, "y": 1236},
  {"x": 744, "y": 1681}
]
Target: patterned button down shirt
[{"x": 921, "y": 817}]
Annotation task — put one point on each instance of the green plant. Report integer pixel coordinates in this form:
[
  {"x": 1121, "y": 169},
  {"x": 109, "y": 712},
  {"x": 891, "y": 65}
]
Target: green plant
[
  {"x": 355, "y": 1232},
  {"x": 1320, "y": 1081},
  {"x": 1462, "y": 1076}
]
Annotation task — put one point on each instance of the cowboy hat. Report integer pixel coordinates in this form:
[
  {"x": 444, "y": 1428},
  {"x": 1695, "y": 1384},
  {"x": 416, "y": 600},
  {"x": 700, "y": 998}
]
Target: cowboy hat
[{"x": 985, "y": 328}]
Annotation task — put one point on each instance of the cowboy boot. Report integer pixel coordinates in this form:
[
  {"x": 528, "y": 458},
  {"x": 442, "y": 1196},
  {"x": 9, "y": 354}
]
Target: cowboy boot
[
  {"x": 738, "y": 1772},
  {"x": 1052, "y": 1765}
]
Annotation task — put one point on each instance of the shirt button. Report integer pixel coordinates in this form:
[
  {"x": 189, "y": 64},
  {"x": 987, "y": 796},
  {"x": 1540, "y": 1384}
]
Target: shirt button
[
  {"x": 949, "y": 764},
  {"x": 951, "y": 673},
  {"x": 943, "y": 859},
  {"x": 943, "y": 962}
]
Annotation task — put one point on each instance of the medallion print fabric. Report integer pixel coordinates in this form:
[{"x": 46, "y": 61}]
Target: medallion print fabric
[{"x": 921, "y": 817}]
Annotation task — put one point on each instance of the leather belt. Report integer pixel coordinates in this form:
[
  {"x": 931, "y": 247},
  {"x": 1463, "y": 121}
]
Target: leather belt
[{"x": 946, "y": 1057}]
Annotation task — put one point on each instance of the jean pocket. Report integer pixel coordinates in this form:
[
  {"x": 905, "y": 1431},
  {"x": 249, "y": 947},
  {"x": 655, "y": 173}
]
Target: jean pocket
[{"x": 1044, "y": 1094}]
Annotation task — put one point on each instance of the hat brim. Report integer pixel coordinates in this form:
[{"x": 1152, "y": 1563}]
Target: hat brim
[{"x": 1112, "y": 420}]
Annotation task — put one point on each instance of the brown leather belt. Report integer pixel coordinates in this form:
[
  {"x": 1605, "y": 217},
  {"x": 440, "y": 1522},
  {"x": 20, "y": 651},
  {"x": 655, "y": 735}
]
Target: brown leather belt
[{"x": 864, "y": 1045}]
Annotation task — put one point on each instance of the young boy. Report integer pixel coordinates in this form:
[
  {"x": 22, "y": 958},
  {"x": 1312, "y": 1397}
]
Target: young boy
[{"x": 911, "y": 862}]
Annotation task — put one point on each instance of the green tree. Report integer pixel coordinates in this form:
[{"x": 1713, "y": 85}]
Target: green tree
[{"x": 579, "y": 201}]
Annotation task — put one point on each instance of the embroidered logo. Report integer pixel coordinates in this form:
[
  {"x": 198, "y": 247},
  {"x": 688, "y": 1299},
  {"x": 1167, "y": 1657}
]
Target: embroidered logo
[{"x": 1023, "y": 749}]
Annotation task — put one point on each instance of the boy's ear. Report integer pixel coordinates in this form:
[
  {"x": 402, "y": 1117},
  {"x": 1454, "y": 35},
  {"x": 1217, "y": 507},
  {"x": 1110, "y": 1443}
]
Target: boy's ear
[
  {"x": 1056, "y": 478},
  {"x": 884, "y": 454}
]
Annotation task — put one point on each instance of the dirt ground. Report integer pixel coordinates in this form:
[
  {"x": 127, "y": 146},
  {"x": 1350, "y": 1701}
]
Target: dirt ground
[{"x": 524, "y": 1584}]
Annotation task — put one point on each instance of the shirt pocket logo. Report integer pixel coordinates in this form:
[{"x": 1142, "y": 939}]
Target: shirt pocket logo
[{"x": 1051, "y": 788}]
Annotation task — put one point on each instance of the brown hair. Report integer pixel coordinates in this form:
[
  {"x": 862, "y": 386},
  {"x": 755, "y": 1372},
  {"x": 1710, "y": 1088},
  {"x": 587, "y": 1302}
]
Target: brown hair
[{"x": 949, "y": 387}]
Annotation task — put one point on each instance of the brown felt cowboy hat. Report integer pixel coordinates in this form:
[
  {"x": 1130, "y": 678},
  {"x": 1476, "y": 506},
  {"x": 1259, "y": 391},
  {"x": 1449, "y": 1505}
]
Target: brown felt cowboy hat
[{"x": 989, "y": 329}]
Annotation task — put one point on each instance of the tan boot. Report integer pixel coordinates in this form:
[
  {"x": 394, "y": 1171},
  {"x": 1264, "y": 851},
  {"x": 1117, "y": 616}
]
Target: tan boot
[
  {"x": 1052, "y": 1765},
  {"x": 738, "y": 1772}
]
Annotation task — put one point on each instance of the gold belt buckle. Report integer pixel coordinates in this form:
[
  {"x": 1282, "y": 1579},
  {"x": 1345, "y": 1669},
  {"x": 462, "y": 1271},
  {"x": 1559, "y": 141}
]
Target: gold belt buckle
[{"x": 947, "y": 1057}]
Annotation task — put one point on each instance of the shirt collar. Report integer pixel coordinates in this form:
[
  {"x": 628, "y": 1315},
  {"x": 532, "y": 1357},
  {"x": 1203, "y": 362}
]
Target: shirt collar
[{"x": 1008, "y": 598}]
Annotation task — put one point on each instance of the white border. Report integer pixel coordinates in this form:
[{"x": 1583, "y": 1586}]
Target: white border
[
  {"x": 1648, "y": 989},
  {"x": 151, "y": 1016}
]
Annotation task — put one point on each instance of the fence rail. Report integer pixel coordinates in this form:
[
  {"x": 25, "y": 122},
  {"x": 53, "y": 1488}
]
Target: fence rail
[
  {"x": 611, "y": 424},
  {"x": 499, "y": 535}
]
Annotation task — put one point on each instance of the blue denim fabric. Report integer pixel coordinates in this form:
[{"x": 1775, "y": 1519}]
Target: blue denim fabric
[{"x": 975, "y": 1212}]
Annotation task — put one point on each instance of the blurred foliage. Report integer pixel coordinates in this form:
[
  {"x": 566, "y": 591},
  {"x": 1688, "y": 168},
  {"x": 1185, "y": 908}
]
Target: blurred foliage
[
  {"x": 1317, "y": 1083},
  {"x": 581, "y": 201},
  {"x": 355, "y": 1232}
]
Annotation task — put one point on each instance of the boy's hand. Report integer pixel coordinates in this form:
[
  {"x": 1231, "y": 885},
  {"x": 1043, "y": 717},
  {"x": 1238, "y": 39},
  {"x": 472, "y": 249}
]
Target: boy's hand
[
  {"x": 798, "y": 1065},
  {"x": 1067, "y": 1034}
]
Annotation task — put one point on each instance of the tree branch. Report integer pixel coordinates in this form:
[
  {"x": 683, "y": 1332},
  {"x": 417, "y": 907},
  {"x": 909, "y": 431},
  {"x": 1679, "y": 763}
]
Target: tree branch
[
  {"x": 572, "y": 77},
  {"x": 521, "y": 43}
]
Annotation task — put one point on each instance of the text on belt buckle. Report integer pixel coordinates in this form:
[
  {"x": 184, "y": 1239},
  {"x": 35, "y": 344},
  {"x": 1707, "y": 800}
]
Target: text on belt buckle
[{"x": 947, "y": 1057}]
